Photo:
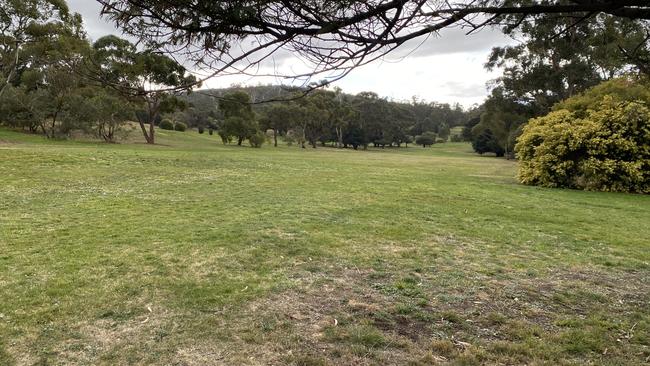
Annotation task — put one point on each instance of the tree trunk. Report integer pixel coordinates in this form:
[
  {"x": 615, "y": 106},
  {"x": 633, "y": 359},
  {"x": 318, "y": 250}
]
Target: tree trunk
[
  {"x": 144, "y": 132},
  {"x": 149, "y": 136},
  {"x": 151, "y": 139},
  {"x": 339, "y": 134},
  {"x": 12, "y": 71},
  {"x": 275, "y": 137}
]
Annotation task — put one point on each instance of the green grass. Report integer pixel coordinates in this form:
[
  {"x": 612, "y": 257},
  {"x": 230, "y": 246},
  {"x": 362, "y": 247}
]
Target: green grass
[{"x": 195, "y": 253}]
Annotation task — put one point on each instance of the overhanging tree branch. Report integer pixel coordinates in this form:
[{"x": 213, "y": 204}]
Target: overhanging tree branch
[{"x": 333, "y": 36}]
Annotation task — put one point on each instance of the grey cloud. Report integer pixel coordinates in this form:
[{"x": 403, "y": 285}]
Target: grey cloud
[
  {"x": 96, "y": 26},
  {"x": 464, "y": 89},
  {"x": 455, "y": 40}
]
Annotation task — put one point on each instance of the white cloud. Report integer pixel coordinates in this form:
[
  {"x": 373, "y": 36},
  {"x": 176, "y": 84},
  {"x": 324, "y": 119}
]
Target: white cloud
[
  {"x": 95, "y": 26},
  {"x": 447, "y": 67}
]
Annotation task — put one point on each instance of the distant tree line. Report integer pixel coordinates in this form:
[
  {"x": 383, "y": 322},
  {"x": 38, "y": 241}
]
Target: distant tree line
[{"x": 322, "y": 117}]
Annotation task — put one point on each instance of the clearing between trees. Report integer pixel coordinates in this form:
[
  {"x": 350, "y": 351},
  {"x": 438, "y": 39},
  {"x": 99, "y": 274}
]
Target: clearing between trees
[{"x": 190, "y": 252}]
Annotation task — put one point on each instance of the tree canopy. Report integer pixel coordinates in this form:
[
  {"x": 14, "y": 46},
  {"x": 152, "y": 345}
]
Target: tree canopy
[
  {"x": 146, "y": 77},
  {"x": 333, "y": 35}
]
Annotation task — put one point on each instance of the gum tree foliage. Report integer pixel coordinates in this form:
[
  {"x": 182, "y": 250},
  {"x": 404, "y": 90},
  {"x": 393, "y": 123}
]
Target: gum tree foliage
[
  {"x": 561, "y": 57},
  {"x": 41, "y": 86},
  {"x": 201, "y": 110},
  {"x": 339, "y": 114},
  {"x": 239, "y": 119},
  {"x": 558, "y": 58},
  {"x": 24, "y": 23},
  {"x": 372, "y": 114},
  {"x": 326, "y": 114},
  {"x": 314, "y": 117},
  {"x": 279, "y": 117},
  {"x": 109, "y": 113},
  {"x": 329, "y": 116},
  {"x": 504, "y": 117},
  {"x": 145, "y": 77},
  {"x": 599, "y": 140},
  {"x": 426, "y": 139}
]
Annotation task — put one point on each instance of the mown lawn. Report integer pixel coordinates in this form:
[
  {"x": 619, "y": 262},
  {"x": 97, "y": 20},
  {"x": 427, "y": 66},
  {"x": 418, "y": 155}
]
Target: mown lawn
[{"x": 195, "y": 253}]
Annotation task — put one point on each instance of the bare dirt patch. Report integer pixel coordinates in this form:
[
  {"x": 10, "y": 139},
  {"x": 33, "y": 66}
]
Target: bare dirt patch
[
  {"x": 366, "y": 316},
  {"x": 352, "y": 318}
]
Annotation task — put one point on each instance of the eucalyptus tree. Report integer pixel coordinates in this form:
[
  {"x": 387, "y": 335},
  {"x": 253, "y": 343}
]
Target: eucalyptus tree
[
  {"x": 279, "y": 117},
  {"x": 560, "y": 57},
  {"x": 557, "y": 58},
  {"x": 24, "y": 23},
  {"x": 42, "y": 50},
  {"x": 108, "y": 113},
  {"x": 239, "y": 119},
  {"x": 316, "y": 115},
  {"x": 145, "y": 77}
]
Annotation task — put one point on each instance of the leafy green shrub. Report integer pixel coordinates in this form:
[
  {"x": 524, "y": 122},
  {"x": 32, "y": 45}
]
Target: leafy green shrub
[
  {"x": 426, "y": 139},
  {"x": 456, "y": 138},
  {"x": 486, "y": 142},
  {"x": 257, "y": 139},
  {"x": 180, "y": 126},
  {"x": 166, "y": 124},
  {"x": 201, "y": 129},
  {"x": 289, "y": 139},
  {"x": 620, "y": 90},
  {"x": 210, "y": 132},
  {"x": 607, "y": 150}
]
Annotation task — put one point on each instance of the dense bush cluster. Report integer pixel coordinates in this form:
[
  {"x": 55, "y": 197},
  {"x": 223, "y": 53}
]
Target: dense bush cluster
[
  {"x": 604, "y": 148},
  {"x": 257, "y": 139},
  {"x": 426, "y": 139},
  {"x": 180, "y": 126},
  {"x": 166, "y": 124}
]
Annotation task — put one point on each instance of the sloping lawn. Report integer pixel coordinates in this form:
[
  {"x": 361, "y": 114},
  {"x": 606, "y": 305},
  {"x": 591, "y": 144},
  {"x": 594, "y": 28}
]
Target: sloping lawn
[{"x": 195, "y": 253}]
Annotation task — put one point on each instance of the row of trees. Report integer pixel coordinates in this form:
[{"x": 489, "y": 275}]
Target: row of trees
[
  {"x": 323, "y": 117},
  {"x": 54, "y": 81}
]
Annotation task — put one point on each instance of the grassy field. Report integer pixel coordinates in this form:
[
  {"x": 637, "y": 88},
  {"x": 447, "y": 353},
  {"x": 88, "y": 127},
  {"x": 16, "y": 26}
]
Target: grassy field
[{"x": 195, "y": 253}]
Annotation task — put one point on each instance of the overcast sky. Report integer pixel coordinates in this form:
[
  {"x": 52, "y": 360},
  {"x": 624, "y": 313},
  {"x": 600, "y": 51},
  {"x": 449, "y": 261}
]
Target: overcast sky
[{"x": 446, "y": 68}]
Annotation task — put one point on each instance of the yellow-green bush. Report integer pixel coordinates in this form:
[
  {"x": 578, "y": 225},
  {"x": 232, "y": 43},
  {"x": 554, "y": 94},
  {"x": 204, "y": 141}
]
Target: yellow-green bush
[
  {"x": 606, "y": 150},
  {"x": 621, "y": 89}
]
